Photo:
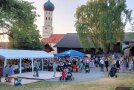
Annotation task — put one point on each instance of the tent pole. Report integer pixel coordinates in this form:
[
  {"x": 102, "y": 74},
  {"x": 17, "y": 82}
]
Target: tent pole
[
  {"x": 20, "y": 65},
  {"x": 5, "y": 62},
  {"x": 42, "y": 64},
  {"x": 32, "y": 65}
]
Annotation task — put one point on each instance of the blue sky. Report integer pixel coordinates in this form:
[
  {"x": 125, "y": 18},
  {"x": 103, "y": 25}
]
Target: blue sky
[{"x": 63, "y": 15}]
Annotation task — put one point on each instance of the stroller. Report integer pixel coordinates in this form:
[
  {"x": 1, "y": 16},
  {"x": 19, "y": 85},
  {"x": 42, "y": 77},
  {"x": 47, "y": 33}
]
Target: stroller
[
  {"x": 113, "y": 72},
  {"x": 69, "y": 76},
  {"x": 87, "y": 69}
]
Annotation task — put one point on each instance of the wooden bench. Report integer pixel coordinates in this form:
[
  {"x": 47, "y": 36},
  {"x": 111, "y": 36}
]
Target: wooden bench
[
  {"x": 1, "y": 78},
  {"x": 10, "y": 78},
  {"x": 16, "y": 80},
  {"x": 123, "y": 88}
]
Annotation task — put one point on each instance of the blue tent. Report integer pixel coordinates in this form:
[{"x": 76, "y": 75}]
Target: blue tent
[{"x": 71, "y": 53}]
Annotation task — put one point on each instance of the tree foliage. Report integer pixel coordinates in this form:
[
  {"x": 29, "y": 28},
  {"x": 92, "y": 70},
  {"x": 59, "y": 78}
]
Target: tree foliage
[
  {"x": 17, "y": 20},
  {"x": 100, "y": 23}
]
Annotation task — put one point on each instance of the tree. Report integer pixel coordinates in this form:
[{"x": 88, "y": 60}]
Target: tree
[
  {"x": 17, "y": 20},
  {"x": 100, "y": 23}
]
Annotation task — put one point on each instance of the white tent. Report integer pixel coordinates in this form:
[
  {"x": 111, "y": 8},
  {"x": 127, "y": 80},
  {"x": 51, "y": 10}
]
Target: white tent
[{"x": 8, "y": 54}]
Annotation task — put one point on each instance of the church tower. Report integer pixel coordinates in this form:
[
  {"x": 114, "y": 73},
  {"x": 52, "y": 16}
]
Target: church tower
[{"x": 48, "y": 18}]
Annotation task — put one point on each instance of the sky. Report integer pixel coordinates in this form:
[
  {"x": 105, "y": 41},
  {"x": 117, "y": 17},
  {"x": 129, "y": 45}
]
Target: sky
[{"x": 64, "y": 14}]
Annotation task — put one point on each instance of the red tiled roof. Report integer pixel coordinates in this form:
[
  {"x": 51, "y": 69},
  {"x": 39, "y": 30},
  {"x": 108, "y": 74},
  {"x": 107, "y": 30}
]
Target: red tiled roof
[{"x": 54, "y": 38}]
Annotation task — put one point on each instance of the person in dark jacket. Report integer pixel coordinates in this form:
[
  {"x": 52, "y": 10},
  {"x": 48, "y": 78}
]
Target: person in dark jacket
[
  {"x": 106, "y": 64},
  {"x": 118, "y": 65}
]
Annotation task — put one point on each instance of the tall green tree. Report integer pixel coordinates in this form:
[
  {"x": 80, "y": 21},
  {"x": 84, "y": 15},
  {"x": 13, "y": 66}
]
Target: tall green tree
[
  {"x": 17, "y": 20},
  {"x": 101, "y": 23}
]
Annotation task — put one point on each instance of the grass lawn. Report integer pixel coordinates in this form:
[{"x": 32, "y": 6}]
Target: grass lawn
[{"x": 102, "y": 84}]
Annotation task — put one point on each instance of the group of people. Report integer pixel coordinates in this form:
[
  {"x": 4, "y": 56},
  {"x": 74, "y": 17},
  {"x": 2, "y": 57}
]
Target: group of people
[
  {"x": 74, "y": 64},
  {"x": 116, "y": 61},
  {"x": 8, "y": 72},
  {"x": 67, "y": 65},
  {"x": 119, "y": 61}
]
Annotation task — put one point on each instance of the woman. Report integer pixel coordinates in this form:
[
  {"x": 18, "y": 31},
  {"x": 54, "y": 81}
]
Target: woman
[
  {"x": 122, "y": 66},
  {"x": 130, "y": 65},
  {"x": 10, "y": 73},
  {"x": 5, "y": 72}
]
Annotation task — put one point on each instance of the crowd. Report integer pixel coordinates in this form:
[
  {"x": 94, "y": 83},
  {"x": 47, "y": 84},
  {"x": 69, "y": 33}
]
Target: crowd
[
  {"x": 67, "y": 65},
  {"x": 121, "y": 63}
]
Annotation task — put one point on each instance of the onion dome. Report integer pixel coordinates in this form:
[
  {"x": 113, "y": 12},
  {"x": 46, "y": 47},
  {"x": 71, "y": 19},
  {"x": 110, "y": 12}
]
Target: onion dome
[{"x": 49, "y": 6}]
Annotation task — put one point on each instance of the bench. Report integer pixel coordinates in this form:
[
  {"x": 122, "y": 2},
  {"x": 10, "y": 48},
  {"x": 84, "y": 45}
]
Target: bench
[
  {"x": 17, "y": 80},
  {"x": 9, "y": 78},
  {"x": 122, "y": 88}
]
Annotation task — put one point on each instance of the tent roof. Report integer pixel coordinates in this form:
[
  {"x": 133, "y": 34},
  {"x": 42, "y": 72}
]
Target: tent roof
[
  {"x": 23, "y": 54},
  {"x": 71, "y": 53}
]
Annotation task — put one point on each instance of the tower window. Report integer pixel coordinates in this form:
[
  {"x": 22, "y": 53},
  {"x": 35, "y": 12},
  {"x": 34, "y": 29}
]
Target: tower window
[
  {"x": 46, "y": 18},
  {"x": 49, "y": 18}
]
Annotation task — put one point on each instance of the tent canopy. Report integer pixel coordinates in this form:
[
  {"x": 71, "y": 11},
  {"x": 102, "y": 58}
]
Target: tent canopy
[
  {"x": 23, "y": 54},
  {"x": 71, "y": 53}
]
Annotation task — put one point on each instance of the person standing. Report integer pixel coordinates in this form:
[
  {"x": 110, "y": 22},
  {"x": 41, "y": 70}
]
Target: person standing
[
  {"x": 96, "y": 61},
  {"x": 81, "y": 66},
  {"x": 106, "y": 64},
  {"x": 130, "y": 65},
  {"x": 54, "y": 68},
  {"x": 5, "y": 72},
  {"x": 102, "y": 64},
  {"x": 36, "y": 68},
  {"x": 10, "y": 73},
  {"x": 63, "y": 77},
  {"x": 118, "y": 65},
  {"x": 78, "y": 64},
  {"x": 122, "y": 66}
]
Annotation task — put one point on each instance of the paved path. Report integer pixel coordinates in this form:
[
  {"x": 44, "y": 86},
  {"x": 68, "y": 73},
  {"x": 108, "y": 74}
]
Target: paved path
[{"x": 94, "y": 74}]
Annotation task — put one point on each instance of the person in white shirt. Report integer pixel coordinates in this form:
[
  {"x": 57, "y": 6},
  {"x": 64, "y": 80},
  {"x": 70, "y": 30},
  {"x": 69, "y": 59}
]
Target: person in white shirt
[{"x": 102, "y": 64}]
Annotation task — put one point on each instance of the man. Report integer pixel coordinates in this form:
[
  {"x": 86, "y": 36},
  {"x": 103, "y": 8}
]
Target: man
[
  {"x": 36, "y": 68},
  {"x": 102, "y": 64},
  {"x": 5, "y": 72},
  {"x": 118, "y": 64},
  {"x": 106, "y": 64},
  {"x": 54, "y": 68}
]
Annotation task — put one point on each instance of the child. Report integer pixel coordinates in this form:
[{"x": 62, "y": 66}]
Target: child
[
  {"x": 63, "y": 74},
  {"x": 17, "y": 81}
]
